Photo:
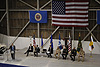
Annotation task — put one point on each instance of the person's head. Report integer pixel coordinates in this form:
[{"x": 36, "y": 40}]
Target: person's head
[
  {"x": 37, "y": 46},
  {"x": 30, "y": 44},
  {"x": 12, "y": 44},
  {"x": 67, "y": 40},
  {"x": 81, "y": 48},
  {"x": 74, "y": 48},
  {"x": 50, "y": 45},
  {"x": 57, "y": 47},
  {"x": 65, "y": 47}
]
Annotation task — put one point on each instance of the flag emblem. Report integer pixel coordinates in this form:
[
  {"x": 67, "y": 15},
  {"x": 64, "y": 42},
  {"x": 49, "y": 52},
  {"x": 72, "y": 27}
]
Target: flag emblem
[
  {"x": 38, "y": 16},
  {"x": 69, "y": 44}
]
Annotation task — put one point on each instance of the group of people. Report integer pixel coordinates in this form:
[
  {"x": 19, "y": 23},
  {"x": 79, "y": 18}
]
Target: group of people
[
  {"x": 73, "y": 53},
  {"x": 30, "y": 49},
  {"x": 50, "y": 52}
]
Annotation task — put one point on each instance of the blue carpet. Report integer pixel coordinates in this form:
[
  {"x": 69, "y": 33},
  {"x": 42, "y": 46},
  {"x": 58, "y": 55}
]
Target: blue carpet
[{"x": 10, "y": 65}]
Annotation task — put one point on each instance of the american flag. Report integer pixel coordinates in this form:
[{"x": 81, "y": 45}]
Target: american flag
[
  {"x": 69, "y": 44},
  {"x": 34, "y": 43},
  {"x": 72, "y": 13}
]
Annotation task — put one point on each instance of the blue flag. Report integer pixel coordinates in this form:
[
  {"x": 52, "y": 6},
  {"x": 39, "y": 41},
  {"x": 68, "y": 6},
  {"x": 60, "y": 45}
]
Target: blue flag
[
  {"x": 41, "y": 41},
  {"x": 38, "y": 16},
  {"x": 60, "y": 46},
  {"x": 98, "y": 17},
  {"x": 51, "y": 41}
]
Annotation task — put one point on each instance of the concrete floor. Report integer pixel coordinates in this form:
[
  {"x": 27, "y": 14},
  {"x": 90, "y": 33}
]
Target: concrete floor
[{"x": 43, "y": 61}]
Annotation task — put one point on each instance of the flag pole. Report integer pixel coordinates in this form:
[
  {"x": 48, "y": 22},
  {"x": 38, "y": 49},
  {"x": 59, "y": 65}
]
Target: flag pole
[
  {"x": 41, "y": 41},
  {"x": 30, "y": 39},
  {"x": 38, "y": 25},
  {"x": 73, "y": 36},
  {"x": 90, "y": 53},
  {"x": 91, "y": 43}
]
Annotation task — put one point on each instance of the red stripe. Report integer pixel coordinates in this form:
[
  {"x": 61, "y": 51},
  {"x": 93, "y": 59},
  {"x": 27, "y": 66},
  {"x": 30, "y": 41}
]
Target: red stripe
[
  {"x": 77, "y": 9},
  {"x": 77, "y": 1},
  {"x": 69, "y": 21},
  {"x": 70, "y": 25},
  {"x": 70, "y": 17},
  {"x": 76, "y": 13},
  {"x": 76, "y": 5}
]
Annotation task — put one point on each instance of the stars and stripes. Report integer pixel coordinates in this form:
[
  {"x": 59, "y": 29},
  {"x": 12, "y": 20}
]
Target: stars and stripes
[
  {"x": 34, "y": 43},
  {"x": 72, "y": 13},
  {"x": 69, "y": 44}
]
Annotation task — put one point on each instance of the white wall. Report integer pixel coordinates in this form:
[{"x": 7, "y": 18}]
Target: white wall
[{"x": 23, "y": 42}]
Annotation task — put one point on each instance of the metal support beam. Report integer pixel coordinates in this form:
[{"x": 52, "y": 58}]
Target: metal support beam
[
  {"x": 14, "y": 10},
  {"x": 73, "y": 32},
  {"x": 73, "y": 36},
  {"x": 3, "y": 16},
  {"x": 27, "y": 4},
  {"x": 97, "y": 1},
  {"x": 7, "y": 12},
  {"x": 89, "y": 33},
  {"x": 46, "y": 4},
  {"x": 93, "y": 36},
  {"x": 20, "y": 32},
  {"x": 50, "y": 35},
  {"x": 41, "y": 9},
  {"x": 7, "y": 17},
  {"x": 38, "y": 25}
]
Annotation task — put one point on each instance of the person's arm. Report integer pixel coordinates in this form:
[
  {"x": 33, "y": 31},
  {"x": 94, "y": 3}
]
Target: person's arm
[
  {"x": 79, "y": 53},
  {"x": 32, "y": 48},
  {"x": 9, "y": 48},
  {"x": 84, "y": 52},
  {"x": 15, "y": 47}
]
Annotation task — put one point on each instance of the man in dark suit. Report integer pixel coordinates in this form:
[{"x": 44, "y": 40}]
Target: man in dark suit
[
  {"x": 30, "y": 49},
  {"x": 65, "y": 53},
  {"x": 12, "y": 51},
  {"x": 73, "y": 54},
  {"x": 37, "y": 50},
  {"x": 50, "y": 51}
]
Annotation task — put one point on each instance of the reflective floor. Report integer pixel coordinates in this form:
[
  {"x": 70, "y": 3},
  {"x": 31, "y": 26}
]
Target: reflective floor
[{"x": 43, "y": 61}]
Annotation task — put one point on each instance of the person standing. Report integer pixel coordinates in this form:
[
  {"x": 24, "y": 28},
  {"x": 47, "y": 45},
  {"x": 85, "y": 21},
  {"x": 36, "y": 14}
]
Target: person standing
[
  {"x": 12, "y": 51},
  {"x": 73, "y": 54}
]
